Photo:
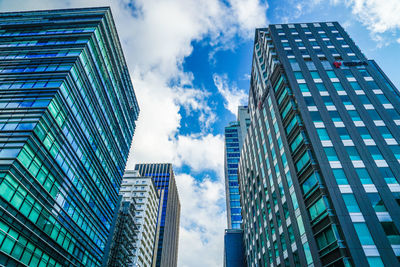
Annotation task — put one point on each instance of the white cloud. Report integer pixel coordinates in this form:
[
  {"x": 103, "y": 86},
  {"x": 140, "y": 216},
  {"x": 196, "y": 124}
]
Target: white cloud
[
  {"x": 233, "y": 96},
  {"x": 377, "y": 15},
  {"x": 156, "y": 38},
  {"x": 201, "y": 231},
  {"x": 201, "y": 152}
]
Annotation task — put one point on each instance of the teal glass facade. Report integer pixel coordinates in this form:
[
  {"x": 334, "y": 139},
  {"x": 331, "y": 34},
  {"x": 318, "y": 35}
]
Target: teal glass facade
[
  {"x": 319, "y": 168},
  {"x": 67, "y": 117}
]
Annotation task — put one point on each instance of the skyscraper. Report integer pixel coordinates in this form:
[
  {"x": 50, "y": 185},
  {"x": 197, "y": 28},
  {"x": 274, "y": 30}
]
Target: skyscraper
[
  {"x": 166, "y": 252},
  {"x": 233, "y": 236},
  {"x": 67, "y": 117},
  {"x": 234, "y": 136},
  {"x": 319, "y": 168}
]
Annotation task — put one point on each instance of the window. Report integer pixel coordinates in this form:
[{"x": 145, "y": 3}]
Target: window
[
  {"x": 376, "y": 154},
  {"x": 326, "y": 238},
  {"x": 338, "y": 86},
  {"x": 351, "y": 203},
  {"x": 340, "y": 176},
  {"x": 317, "y": 209},
  {"x": 334, "y": 115},
  {"x": 344, "y": 135},
  {"x": 376, "y": 202},
  {"x": 345, "y": 100},
  {"x": 310, "y": 182},
  {"x": 355, "y": 85},
  {"x": 315, "y": 116},
  {"x": 298, "y": 75},
  {"x": 323, "y": 134},
  {"x": 321, "y": 87},
  {"x": 296, "y": 142},
  {"x": 303, "y": 87},
  {"x": 354, "y": 115},
  {"x": 387, "y": 174},
  {"x": 309, "y": 101},
  {"x": 373, "y": 114},
  {"x": 304, "y": 159},
  {"x": 353, "y": 153},
  {"x": 364, "y": 73},
  {"x": 327, "y": 100},
  {"x": 291, "y": 125},
  {"x": 331, "y": 74},
  {"x": 385, "y": 132},
  {"x": 364, "y": 99},
  {"x": 364, "y": 176},
  {"x": 391, "y": 233},
  {"x": 363, "y": 234},
  {"x": 364, "y": 133},
  {"x": 331, "y": 154},
  {"x": 315, "y": 75}
]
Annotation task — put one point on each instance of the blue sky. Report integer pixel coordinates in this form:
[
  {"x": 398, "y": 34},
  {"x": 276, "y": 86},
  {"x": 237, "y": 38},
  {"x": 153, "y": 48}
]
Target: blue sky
[{"x": 190, "y": 62}]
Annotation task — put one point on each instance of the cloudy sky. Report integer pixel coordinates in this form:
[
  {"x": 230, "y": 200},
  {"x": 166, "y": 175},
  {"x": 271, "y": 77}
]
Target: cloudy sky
[{"x": 190, "y": 62}]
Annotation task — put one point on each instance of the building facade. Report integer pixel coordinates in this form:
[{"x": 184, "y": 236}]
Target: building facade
[
  {"x": 67, "y": 117},
  {"x": 234, "y": 136},
  {"x": 234, "y": 255},
  {"x": 141, "y": 191},
  {"x": 166, "y": 243},
  {"x": 319, "y": 168},
  {"x": 123, "y": 237}
]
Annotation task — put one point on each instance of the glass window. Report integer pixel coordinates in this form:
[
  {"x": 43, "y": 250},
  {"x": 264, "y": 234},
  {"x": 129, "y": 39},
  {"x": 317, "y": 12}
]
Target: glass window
[
  {"x": 340, "y": 176},
  {"x": 391, "y": 233},
  {"x": 376, "y": 202},
  {"x": 309, "y": 101},
  {"x": 364, "y": 133},
  {"x": 375, "y": 261},
  {"x": 364, "y": 73},
  {"x": 354, "y": 115},
  {"x": 331, "y": 154},
  {"x": 364, "y": 99},
  {"x": 338, "y": 86},
  {"x": 345, "y": 100},
  {"x": 355, "y": 85},
  {"x": 304, "y": 159},
  {"x": 353, "y": 153},
  {"x": 315, "y": 75},
  {"x": 387, "y": 174},
  {"x": 325, "y": 238},
  {"x": 323, "y": 134},
  {"x": 385, "y": 132},
  {"x": 321, "y": 87},
  {"x": 364, "y": 176},
  {"x": 331, "y": 74},
  {"x": 317, "y": 209},
  {"x": 376, "y": 154},
  {"x": 296, "y": 142},
  {"x": 307, "y": 252},
  {"x": 334, "y": 115},
  {"x": 351, "y": 203},
  {"x": 383, "y": 99},
  {"x": 327, "y": 100},
  {"x": 303, "y": 87},
  {"x": 373, "y": 114},
  {"x": 344, "y": 135},
  {"x": 315, "y": 116},
  {"x": 347, "y": 73},
  {"x": 298, "y": 75},
  {"x": 310, "y": 182},
  {"x": 363, "y": 233}
]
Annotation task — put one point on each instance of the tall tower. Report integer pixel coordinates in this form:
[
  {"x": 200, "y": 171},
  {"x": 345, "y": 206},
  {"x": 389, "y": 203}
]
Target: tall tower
[
  {"x": 234, "y": 136},
  {"x": 166, "y": 247},
  {"x": 319, "y": 169},
  {"x": 67, "y": 117},
  {"x": 141, "y": 192}
]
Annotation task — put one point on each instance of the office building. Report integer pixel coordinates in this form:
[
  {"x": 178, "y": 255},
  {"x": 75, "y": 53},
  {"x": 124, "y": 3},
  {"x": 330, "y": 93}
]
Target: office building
[
  {"x": 142, "y": 192},
  {"x": 234, "y": 136},
  {"x": 233, "y": 241},
  {"x": 166, "y": 243},
  {"x": 124, "y": 237},
  {"x": 67, "y": 117},
  {"x": 319, "y": 168},
  {"x": 234, "y": 255}
]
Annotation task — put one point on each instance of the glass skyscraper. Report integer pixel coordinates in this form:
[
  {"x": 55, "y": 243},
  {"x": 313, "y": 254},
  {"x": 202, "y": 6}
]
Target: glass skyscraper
[
  {"x": 166, "y": 243},
  {"x": 319, "y": 168},
  {"x": 234, "y": 136},
  {"x": 67, "y": 117}
]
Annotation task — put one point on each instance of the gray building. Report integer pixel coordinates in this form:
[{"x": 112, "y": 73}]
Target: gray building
[
  {"x": 319, "y": 169},
  {"x": 166, "y": 242}
]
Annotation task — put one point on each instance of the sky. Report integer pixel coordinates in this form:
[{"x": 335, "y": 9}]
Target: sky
[{"x": 190, "y": 62}]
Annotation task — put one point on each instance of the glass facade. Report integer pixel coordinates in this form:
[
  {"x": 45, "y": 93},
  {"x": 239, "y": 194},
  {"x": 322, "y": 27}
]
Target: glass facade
[
  {"x": 319, "y": 166},
  {"x": 166, "y": 247},
  {"x": 67, "y": 117},
  {"x": 234, "y": 135}
]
